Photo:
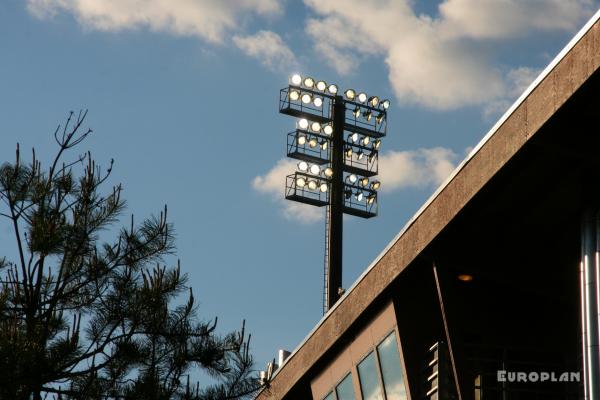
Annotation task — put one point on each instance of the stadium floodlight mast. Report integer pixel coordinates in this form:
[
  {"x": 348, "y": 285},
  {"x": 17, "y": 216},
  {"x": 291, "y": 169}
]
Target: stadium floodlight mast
[{"x": 336, "y": 142}]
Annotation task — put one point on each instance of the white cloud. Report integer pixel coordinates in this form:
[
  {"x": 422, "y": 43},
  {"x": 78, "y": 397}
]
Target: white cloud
[
  {"x": 497, "y": 19},
  {"x": 517, "y": 80},
  {"x": 415, "y": 168},
  {"x": 333, "y": 47},
  {"x": 419, "y": 168},
  {"x": 208, "y": 19},
  {"x": 434, "y": 62},
  {"x": 426, "y": 70},
  {"x": 520, "y": 78},
  {"x": 268, "y": 48},
  {"x": 273, "y": 183}
]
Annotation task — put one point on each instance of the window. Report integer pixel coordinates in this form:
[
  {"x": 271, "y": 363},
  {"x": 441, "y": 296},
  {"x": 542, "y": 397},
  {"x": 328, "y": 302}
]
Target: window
[
  {"x": 382, "y": 366},
  {"x": 391, "y": 370},
  {"x": 344, "y": 390},
  {"x": 369, "y": 381}
]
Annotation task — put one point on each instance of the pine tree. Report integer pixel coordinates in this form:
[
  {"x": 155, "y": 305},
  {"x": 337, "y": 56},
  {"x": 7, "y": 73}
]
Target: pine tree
[{"x": 82, "y": 317}]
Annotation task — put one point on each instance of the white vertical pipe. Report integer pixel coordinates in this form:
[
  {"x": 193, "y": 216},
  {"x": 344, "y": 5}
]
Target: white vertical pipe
[
  {"x": 595, "y": 344},
  {"x": 591, "y": 307},
  {"x": 583, "y": 324},
  {"x": 282, "y": 356}
]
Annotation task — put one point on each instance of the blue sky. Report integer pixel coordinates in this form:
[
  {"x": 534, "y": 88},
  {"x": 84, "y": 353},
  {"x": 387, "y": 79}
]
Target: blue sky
[{"x": 183, "y": 95}]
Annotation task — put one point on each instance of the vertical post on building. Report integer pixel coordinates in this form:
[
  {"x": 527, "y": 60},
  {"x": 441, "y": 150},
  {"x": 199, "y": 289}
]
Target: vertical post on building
[
  {"x": 590, "y": 297},
  {"x": 336, "y": 215}
]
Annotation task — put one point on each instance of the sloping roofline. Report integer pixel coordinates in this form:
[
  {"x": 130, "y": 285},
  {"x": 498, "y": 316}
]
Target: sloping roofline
[{"x": 518, "y": 111}]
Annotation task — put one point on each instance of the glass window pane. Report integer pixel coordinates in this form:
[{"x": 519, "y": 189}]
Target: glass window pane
[
  {"x": 391, "y": 369},
  {"x": 369, "y": 381},
  {"x": 344, "y": 390},
  {"x": 329, "y": 397}
]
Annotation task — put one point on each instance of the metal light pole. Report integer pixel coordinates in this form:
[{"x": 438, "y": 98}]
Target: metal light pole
[
  {"x": 336, "y": 210},
  {"x": 334, "y": 171}
]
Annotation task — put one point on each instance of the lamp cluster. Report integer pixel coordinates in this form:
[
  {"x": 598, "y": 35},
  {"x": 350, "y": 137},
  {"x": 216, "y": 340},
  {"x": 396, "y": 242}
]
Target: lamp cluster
[
  {"x": 362, "y": 98},
  {"x": 315, "y": 169},
  {"x": 302, "y": 139},
  {"x": 309, "y": 83},
  {"x": 359, "y": 188},
  {"x": 361, "y": 148},
  {"x": 313, "y": 142},
  {"x": 313, "y": 177},
  {"x": 316, "y": 127},
  {"x": 310, "y": 133},
  {"x": 321, "y": 86},
  {"x": 307, "y": 90},
  {"x": 363, "y": 143},
  {"x": 367, "y": 115}
]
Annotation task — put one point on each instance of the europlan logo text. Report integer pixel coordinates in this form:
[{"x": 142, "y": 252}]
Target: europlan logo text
[{"x": 513, "y": 376}]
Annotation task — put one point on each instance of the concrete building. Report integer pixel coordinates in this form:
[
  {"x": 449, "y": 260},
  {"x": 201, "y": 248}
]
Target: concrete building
[{"x": 491, "y": 290}]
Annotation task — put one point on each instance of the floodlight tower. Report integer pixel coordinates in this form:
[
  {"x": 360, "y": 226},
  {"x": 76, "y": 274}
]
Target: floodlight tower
[{"x": 336, "y": 141}]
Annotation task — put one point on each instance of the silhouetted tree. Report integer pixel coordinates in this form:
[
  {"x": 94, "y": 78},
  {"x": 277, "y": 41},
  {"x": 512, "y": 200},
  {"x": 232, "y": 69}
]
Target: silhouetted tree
[{"x": 84, "y": 318}]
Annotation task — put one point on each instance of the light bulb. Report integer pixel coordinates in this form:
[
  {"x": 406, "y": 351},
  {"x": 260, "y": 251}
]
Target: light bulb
[
  {"x": 294, "y": 95},
  {"x": 364, "y": 182},
  {"x": 365, "y": 140},
  {"x": 350, "y": 94},
  {"x": 328, "y": 172},
  {"x": 360, "y": 155},
  {"x": 313, "y": 143},
  {"x": 321, "y": 85},
  {"x": 353, "y": 137},
  {"x": 309, "y": 82},
  {"x": 362, "y": 97},
  {"x": 303, "y": 123},
  {"x": 386, "y": 104},
  {"x": 376, "y": 144},
  {"x": 306, "y": 98},
  {"x": 315, "y": 169},
  {"x": 371, "y": 199},
  {"x": 359, "y": 195},
  {"x": 374, "y": 101},
  {"x": 323, "y": 187},
  {"x": 312, "y": 185},
  {"x": 379, "y": 118},
  {"x": 318, "y": 102},
  {"x": 375, "y": 185},
  {"x": 324, "y": 144},
  {"x": 349, "y": 152},
  {"x": 356, "y": 112},
  {"x": 352, "y": 178},
  {"x": 303, "y": 166},
  {"x": 332, "y": 89},
  {"x": 315, "y": 127},
  {"x": 300, "y": 182},
  {"x": 296, "y": 79},
  {"x": 328, "y": 129},
  {"x": 368, "y": 115},
  {"x": 301, "y": 140}
]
